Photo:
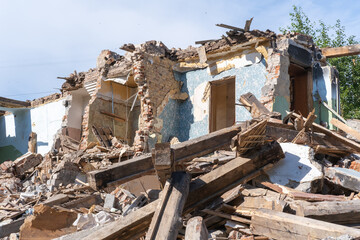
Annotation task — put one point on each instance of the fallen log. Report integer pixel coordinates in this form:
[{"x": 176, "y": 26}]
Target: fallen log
[
  {"x": 280, "y": 225},
  {"x": 140, "y": 166}
]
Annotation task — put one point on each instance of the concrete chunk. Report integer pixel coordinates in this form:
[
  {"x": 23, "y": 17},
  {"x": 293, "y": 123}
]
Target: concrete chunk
[
  {"x": 109, "y": 201},
  {"x": 347, "y": 178}
]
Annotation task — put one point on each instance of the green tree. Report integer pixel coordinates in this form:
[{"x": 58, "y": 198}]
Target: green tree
[{"x": 325, "y": 35}]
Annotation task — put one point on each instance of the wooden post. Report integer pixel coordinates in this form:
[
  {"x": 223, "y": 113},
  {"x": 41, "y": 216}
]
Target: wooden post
[
  {"x": 163, "y": 160},
  {"x": 32, "y": 144},
  {"x": 196, "y": 229},
  {"x": 166, "y": 221}
]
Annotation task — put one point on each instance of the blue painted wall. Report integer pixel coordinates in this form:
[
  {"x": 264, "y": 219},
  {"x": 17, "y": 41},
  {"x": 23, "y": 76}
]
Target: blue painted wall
[
  {"x": 18, "y": 137},
  {"x": 178, "y": 116}
]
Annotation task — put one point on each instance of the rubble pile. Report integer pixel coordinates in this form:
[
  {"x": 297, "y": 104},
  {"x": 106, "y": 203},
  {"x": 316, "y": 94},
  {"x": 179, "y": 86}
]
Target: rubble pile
[{"x": 261, "y": 179}]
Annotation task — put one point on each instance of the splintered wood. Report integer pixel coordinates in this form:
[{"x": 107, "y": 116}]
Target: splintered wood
[{"x": 252, "y": 137}]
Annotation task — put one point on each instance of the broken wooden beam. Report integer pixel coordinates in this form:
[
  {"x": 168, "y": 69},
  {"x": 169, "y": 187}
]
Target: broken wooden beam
[
  {"x": 11, "y": 103},
  {"x": 32, "y": 143},
  {"x": 114, "y": 116},
  {"x": 166, "y": 221},
  {"x": 163, "y": 161},
  {"x": 140, "y": 166},
  {"x": 298, "y": 195},
  {"x": 334, "y": 135},
  {"x": 121, "y": 172},
  {"x": 247, "y": 24},
  {"x": 196, "y": 229},
  {"x": 256, "y": 108},
  {"x": 332, "y": 151},
  {"x": 202, "y": 42},
  {"x": 345, "y": 128},
  {"x": 341, "y": 51},
  {"x": 27, "y": 162},
  {"x": 339, "y": 212},
  {"x": 230, "y": 27},
  {"x": 279, "y": 225}
]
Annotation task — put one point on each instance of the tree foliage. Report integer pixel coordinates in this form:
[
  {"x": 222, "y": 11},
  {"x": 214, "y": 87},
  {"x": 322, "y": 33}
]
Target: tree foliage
[{"x": 325, "y": 35}]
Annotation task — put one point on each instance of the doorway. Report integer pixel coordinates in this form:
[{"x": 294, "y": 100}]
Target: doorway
[
  {"x": 300, "y": 89},
  {"x": 222, "y": 103}
]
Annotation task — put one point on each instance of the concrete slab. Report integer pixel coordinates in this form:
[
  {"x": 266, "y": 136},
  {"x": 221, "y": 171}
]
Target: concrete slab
[{"x": 295, "y": 170}]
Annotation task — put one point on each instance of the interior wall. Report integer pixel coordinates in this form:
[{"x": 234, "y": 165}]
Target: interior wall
[
  {"x": 46, "y": 120},
  {"x": 79, "y": 100}
]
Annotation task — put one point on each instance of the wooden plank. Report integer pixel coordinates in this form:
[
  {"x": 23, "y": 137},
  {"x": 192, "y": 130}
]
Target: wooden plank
[
  {"x": 309, "y": 120},
  {"x": 227, "y": 216},
  {"x": 114, "y": 116},
  {"x": 11, "y": 103},
  {"x": 297, "y": 195},
  {"x": 333, "y": 111},
  {"x": 340, "y": 212},
  {"x": 196, "y": 229},
  {"x": 230, "y": 27},
  {"x": 341, "y": 51},
  {"x": 279, "y": 225},
  {"x": 135, "y": 166},
  {"x": 345, "y": 128},
  {"x": 166, "y": 221},
  {"x": 253, "y": 105},
  {"x": 335, "y": 136},
  {"x": 332, "y": 151},
  {"x": 184, "y": 151}
]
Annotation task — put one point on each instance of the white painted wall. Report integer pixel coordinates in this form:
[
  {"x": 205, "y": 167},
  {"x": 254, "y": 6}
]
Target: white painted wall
[{"x": 45, "y": 122}]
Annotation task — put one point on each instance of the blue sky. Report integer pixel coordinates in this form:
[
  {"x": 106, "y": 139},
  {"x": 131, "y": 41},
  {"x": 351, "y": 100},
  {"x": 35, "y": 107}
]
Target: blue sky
[{"x": 41, "y": 40}]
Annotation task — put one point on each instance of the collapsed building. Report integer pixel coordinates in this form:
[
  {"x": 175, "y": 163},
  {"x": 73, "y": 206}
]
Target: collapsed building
[
  {"x": 154, "y": 94},
  {"x": 235, "y": 139}
]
